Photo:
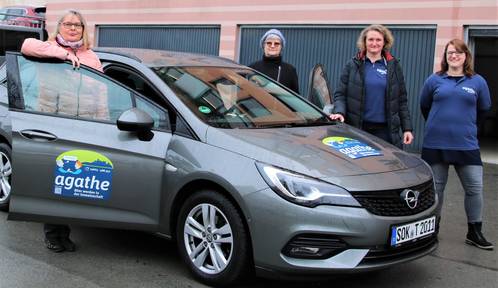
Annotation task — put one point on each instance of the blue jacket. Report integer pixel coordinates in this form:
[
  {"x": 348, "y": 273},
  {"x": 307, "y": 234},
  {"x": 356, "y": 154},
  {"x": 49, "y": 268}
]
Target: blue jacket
[{"x": 451, "y": 108}]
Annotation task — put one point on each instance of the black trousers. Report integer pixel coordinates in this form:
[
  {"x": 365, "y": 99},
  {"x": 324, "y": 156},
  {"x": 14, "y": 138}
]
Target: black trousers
[{"x": 56, "y": 231}]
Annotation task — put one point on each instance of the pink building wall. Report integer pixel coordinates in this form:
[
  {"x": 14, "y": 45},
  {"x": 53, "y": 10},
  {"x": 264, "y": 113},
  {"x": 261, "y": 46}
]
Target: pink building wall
[{"x": 451, "y": 17}]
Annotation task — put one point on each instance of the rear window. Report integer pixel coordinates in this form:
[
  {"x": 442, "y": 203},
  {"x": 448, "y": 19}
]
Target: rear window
[{"x": 40, "y": 11}]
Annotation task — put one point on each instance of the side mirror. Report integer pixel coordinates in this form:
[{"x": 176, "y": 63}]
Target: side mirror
[
  {"x": 319, "y": 91},
  {"x": 135, "y": 120}
]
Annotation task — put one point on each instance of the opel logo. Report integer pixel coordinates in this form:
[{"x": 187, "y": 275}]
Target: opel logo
[{"x": 410, "y": 197}]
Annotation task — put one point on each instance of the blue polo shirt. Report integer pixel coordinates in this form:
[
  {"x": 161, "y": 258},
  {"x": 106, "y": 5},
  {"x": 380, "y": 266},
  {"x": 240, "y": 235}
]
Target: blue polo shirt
[
  {"x": 451, "y": 106},
  {"x": 375, "y": 91}
]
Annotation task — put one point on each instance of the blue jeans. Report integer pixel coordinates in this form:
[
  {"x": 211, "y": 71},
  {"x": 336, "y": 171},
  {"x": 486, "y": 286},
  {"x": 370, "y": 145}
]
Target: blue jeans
[{"x": 471, "y": 178}]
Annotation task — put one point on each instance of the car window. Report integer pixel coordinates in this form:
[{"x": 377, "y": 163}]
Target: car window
[
  {"x": 133, "y": 81},
  {"x": 238, "y": 98},
  {"x": 15, "y": 11},
  {"x": 159, "y": 115},
  {"x": 3, "y": 73},
  {"x": 40, "y": 11},
  {"x": 151, "y": 103},
  {"x": 57, "y": 88}
]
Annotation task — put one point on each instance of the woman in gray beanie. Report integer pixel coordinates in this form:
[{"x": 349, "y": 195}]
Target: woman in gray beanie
[{"x": 272, "y": 43}]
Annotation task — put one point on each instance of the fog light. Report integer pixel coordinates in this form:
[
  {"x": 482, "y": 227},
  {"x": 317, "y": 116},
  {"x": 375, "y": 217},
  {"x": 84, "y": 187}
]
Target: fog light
[
  {"x": 314, "y": 246},
  {"x": 309, "y": 252},
  {"x": 304, "y": 250}
]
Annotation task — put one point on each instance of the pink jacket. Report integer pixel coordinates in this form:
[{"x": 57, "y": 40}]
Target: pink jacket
[{"x": 51, "y": 49}]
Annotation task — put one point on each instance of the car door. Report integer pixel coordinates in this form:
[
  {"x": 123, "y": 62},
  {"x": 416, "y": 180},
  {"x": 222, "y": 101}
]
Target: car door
[
  {"x": 72, "y": 164},
  {"x": 319, "y": 92}
]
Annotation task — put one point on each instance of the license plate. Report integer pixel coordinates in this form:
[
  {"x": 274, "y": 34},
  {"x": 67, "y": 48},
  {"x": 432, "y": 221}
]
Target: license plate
[{"x": 412, "y": 231}]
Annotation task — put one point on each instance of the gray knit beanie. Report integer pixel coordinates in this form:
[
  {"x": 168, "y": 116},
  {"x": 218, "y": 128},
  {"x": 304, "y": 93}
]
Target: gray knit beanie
[{"x": 273, "y": 33}]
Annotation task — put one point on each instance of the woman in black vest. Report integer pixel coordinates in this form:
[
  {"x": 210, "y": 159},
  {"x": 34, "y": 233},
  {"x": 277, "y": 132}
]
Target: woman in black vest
[{"x": 371, "y": 93}]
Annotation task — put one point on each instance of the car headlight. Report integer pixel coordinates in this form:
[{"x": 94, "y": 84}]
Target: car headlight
[{"x": 304, "y": 190}]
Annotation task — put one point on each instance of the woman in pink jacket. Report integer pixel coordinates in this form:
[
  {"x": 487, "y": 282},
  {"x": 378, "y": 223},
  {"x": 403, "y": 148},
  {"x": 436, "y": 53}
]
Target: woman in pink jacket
[{"x": 69, "y": 42}]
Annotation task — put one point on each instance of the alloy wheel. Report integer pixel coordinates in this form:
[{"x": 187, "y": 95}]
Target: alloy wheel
[
  {"x": 5, "y": 174},
  {"x": 208, "y": 238}
]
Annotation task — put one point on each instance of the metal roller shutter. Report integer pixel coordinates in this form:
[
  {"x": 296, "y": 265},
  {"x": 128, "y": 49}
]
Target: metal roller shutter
[
  {"x": 333, "y": 46},
  {"x": 190, "y": 38}
]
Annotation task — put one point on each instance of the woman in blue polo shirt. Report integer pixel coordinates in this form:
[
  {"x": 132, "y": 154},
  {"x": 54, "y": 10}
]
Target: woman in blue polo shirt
[
  {"x": 452, "y": 101},
  {"x": 371, "y": 94}
]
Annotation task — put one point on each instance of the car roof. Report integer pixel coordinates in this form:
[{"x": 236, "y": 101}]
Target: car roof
[{"x": 161, "y": 58}]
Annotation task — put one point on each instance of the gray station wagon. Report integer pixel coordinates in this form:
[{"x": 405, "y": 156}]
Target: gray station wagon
[{"x": 242, "y": 173}]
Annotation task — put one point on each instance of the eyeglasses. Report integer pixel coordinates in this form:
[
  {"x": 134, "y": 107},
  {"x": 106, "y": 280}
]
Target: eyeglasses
[
  {"x": 69, "y": 25},
  {"x": 276, "y": 44},
  {"x": 456, "y": 53}
]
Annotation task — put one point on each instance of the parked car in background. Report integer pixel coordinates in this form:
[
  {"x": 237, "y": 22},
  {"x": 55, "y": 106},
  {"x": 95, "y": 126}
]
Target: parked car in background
[
  {"x": 18, "y": 23},
  {"x": 240, "y": 171},
  {"x": 29, "y": 16}
]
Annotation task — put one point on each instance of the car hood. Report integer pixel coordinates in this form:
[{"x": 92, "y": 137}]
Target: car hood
[{"x": 324, "y": 152}]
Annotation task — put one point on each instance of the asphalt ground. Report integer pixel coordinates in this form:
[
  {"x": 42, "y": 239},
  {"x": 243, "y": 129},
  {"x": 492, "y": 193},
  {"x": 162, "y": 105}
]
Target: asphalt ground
[{"x": 116, "y": 258}]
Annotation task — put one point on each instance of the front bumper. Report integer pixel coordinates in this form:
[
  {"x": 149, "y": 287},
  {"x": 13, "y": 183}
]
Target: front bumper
[{"x": 366, "y": 236}]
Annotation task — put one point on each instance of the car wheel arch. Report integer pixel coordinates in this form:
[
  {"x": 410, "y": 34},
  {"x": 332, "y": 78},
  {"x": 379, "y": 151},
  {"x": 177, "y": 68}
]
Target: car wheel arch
[
  {"x": 198, "y": 185},
  {"x": 5, "y": 140},
  {"x": 237, "y": 237}
]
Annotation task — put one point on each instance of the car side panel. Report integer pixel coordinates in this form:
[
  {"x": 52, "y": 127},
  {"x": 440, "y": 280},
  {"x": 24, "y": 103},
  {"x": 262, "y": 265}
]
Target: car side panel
[{"x": 136, "y": 180}]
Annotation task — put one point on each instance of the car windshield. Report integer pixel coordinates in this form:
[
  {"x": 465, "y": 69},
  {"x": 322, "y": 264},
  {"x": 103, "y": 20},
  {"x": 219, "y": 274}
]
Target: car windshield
[{"x": 239, "y": 98}]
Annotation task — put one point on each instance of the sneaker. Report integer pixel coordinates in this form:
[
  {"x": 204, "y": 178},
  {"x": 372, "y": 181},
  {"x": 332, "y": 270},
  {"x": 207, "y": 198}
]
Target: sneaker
[
  {"x": 475, "y": 237},
  {"x": 54, "y": 245},
  {"x": 68, "y": 244}
]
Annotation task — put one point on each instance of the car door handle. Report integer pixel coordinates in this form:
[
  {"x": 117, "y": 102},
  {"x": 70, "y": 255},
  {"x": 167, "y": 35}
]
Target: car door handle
[{"x": 38, "y": 135}]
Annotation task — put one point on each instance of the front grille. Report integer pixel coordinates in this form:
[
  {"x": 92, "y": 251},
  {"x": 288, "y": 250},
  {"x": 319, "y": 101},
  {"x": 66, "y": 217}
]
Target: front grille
[
  {"x": 390, "y": 203},
  {"x": 389, "y": 254}
]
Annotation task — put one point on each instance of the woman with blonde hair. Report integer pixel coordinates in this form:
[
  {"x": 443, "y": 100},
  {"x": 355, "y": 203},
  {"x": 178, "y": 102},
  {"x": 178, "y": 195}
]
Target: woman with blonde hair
[
  {"x": 68, "y": 42},
  {"x": 371, "y": 93}
]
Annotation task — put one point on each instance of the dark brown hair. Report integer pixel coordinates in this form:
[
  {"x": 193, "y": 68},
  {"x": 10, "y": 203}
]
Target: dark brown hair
[{"x": 461, "y": 47}]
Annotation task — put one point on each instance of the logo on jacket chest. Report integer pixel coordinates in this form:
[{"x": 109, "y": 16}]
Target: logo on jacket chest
[
  {"x": 469, "y": 90},
  {"x": 381, "y": 71}
]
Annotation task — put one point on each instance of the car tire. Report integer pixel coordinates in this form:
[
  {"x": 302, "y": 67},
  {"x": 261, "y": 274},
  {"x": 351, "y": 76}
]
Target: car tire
[
  {"x": 5, "y": 176},
  {"x": 220, "y": 249}
]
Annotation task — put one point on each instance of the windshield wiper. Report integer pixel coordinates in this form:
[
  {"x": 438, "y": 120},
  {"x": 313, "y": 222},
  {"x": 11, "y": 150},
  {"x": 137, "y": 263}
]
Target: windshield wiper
[{"x": 316, "y": 122}]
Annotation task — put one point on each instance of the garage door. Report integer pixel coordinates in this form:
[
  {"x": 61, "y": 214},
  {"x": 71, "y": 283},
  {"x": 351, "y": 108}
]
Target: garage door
[
  {"x": 333, "y": 46},
  {"x": 197, "y": 39}
]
